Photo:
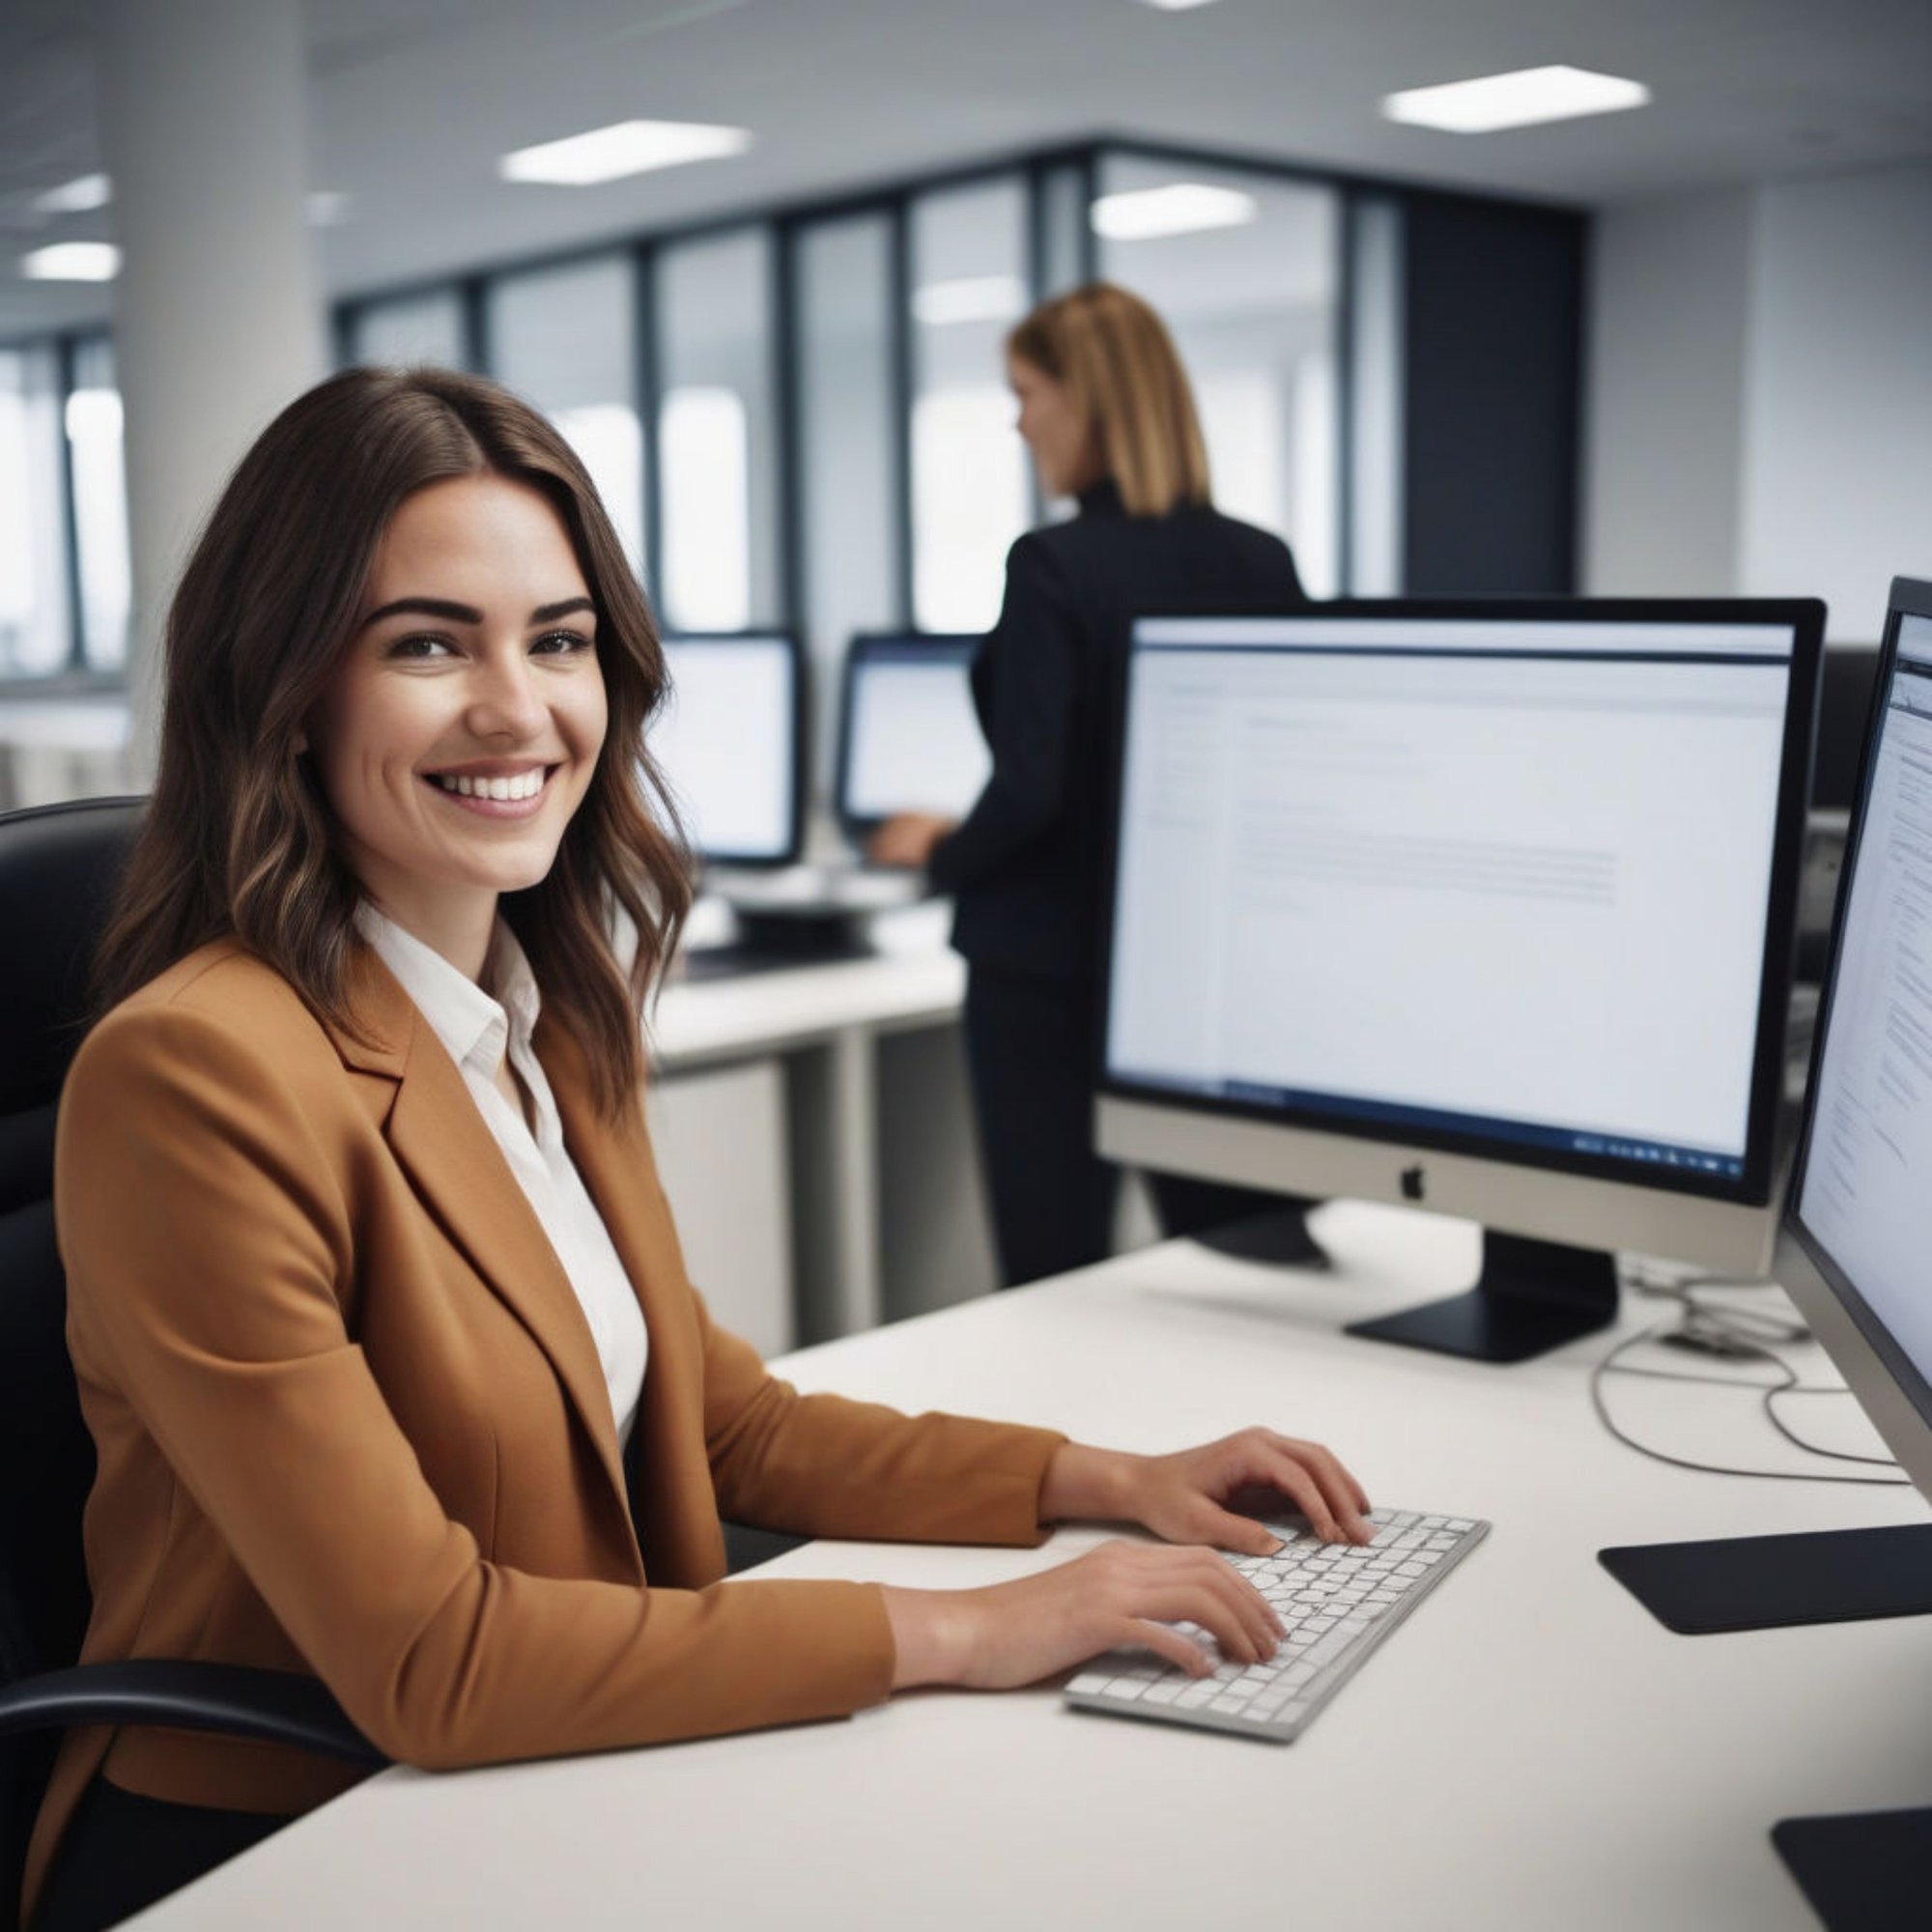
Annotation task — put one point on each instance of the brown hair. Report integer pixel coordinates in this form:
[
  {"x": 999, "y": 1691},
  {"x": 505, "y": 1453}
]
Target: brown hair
[
  {"x": 238, "y": 838},
  {"x": 1119, "y": 364}
]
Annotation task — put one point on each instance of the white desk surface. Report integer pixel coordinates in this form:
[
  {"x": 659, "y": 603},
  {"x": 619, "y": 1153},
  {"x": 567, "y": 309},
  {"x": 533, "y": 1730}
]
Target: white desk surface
[
  {"x": 1530, "y": 1751},
  {"x": 913, "y": 981}
]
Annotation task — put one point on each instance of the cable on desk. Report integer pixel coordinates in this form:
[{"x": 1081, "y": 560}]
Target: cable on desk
[{"x": 1735, "y": 1334}]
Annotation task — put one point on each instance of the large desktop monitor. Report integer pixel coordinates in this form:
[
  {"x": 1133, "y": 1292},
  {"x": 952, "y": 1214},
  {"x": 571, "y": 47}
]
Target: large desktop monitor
[
  {"x": 909, "y": 739},
  {"x": 1487, "y": 907},
  {"x": 730, "y": 741},
  {"x": 1856, "y": 1251}
]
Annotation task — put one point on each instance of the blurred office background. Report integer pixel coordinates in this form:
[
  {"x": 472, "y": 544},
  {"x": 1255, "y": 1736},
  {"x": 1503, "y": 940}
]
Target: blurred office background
[{"x": 1680, "y": 348}]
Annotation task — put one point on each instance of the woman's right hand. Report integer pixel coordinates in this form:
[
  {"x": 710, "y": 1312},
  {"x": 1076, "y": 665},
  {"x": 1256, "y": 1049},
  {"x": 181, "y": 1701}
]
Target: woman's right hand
[{"x": 1118, "y": 1595}]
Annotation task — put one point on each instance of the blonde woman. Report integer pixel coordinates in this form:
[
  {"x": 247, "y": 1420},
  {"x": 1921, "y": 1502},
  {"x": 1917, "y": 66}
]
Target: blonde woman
[{"x": 1106, "y": 412}]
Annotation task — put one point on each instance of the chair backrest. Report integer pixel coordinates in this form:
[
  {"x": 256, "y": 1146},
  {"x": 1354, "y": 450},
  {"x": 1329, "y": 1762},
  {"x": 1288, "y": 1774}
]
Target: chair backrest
[{"x": 58, "y": 865}]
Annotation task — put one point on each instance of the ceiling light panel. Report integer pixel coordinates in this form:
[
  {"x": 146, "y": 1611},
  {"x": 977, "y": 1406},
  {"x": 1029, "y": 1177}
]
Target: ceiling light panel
[
  {"x": 626, "y": 147},
  {"x": 970, "y": 298},
  {"x": 76, "y": 197},
  {"x": 1519, "y": 100},
  {"x": 72, "y": 261},
  {"x": 1182, "y": 207}
]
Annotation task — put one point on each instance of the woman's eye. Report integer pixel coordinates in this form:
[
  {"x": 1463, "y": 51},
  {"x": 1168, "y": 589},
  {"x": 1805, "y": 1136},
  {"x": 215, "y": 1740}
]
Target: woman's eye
[
  {"x": 418, "y": 647},
  {"x": 556, "y": 642}
]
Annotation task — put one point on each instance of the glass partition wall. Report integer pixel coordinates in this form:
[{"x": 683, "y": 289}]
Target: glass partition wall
[{"x": 804, "y": 420}]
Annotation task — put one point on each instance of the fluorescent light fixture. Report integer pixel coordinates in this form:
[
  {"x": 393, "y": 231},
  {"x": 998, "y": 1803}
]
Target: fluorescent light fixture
[
  {"x": 1515, "y": 99},
  {"x": 1143, "y": 213},
  {"x": 625, "y": 148},
  {"x": 327, "y": 208},
  {"x": 1177, "y": 6},
  {"x": 971, "y": 298},
  {"x": 76, "y": 197},
  {"x": 72, "y": 261}
]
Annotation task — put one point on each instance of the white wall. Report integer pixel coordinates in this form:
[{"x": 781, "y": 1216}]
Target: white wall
[{"x": 1760, "y": 403}]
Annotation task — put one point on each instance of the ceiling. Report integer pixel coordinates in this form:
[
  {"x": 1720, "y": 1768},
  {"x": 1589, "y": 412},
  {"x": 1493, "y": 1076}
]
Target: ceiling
[{"x": 410, "y": 101}]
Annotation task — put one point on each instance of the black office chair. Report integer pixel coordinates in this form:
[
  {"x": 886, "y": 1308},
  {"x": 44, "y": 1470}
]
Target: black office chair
[{"x": 57, "y": 870}]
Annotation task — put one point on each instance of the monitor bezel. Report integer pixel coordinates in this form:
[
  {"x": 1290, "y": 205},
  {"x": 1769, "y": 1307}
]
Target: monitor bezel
[
  {"x": 1754, "y": 1189},
  {"x": 860, "y": 646},
  {"x": 1877, "y": 1369},
  {"x": 799, "y": 738}
]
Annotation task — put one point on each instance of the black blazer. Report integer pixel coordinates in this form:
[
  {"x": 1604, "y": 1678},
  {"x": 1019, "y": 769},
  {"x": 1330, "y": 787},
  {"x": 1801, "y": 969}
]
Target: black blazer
[{"x": 1026, "y": 865}]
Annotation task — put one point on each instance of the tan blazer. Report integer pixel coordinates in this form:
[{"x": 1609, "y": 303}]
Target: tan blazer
[{"x": 350, "y": 1419}]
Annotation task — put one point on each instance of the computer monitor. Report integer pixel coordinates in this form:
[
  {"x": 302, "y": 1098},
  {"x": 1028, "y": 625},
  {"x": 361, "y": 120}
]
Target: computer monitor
[
  {"x": 730, "y": 741},
  {"x": 1487, "y": 907},
  {"x": 1853, "y": 1252},
  {"x": 909, "y": 739}
]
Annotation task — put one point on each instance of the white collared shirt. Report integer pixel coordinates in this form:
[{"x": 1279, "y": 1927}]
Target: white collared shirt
[{"x": 476, "y": 1030}]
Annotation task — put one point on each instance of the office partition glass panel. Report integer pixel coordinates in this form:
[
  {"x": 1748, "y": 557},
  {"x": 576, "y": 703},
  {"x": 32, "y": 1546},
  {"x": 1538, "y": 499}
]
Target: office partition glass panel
[
  {"x": 408, "y": 329},
  {"x": 1061, "y": 215},
  {"x": 848, "y": 449},
  {"x": 35, "y": 623},
  {"x": 1244, "y": 269},
  {"x": 565, "y": 339},
  {"x": 1375, "y": 419},
  {"x": 970, "y": 484},
  {"x": 99, "y": 481},
  {"x": 719, "y": 457}
]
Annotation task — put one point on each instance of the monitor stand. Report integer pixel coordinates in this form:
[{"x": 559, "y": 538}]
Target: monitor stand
[
  {"x": 1868, "y": 1872},
  {"x": 1531, "y": 1297}
]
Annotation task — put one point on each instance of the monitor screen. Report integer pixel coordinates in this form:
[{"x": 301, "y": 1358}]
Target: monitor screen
[
  {"x": 1863, "y": 1187},
  {"x": 728, "y": 740},
  {"x": 1487, "y": 906},
  {"x": 1497, "y": 881},
  {"x": 909, "y": 738}
]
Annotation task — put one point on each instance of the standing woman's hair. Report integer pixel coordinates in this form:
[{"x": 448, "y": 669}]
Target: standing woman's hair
[
  {"x": 1117, "y": 361},
  {"x": 238, "y": 839}
]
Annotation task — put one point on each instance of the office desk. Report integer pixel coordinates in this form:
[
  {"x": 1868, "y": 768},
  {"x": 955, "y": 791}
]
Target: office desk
[
  {"x": 1530, "y": 1751},
  {"x": 835, "y": 1028}
]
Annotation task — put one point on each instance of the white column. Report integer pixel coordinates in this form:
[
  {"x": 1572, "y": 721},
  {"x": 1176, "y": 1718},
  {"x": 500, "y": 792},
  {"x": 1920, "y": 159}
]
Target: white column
[{"x": 217, "y": 319}]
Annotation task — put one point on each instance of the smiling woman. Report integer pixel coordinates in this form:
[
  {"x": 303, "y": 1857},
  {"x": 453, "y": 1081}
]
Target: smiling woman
[{"x": 366, "y": 1252}]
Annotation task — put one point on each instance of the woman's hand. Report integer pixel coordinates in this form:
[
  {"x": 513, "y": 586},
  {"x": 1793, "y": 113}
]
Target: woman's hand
[
  {"x": 1119, "y": 1594},
  {"x": 1208, "y": 1495},
  {"x": 907, "y": 839}
]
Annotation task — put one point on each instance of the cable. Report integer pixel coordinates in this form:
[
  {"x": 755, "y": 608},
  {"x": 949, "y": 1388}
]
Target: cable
[{"x": 1735, "y": 1334}]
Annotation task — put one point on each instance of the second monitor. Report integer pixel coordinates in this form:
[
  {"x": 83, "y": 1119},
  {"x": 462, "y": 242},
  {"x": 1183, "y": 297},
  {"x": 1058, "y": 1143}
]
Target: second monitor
[
  {"x": 1487, "y": 907},
  {"x": 908, "y": 737}
]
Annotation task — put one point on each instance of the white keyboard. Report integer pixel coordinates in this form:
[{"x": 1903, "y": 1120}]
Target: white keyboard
[{"x": 1337, "y": 1600}]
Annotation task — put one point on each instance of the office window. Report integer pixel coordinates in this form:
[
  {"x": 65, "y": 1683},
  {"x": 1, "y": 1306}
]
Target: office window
[
  {"x": 408, "y": 329},
  {"x": 1375, "y": 425},
  {"x": 565, "y": 340},
  {"x": 848, "y": 446},
  {"x": 1061, "y": 215},
  {"x": 970, "y": 495},
  {"x": 1243, "y": 268},
  {"x": 100, "y": 474},
  {"x": 35, "y": 623},
  {"x": 718, "y": 435}
]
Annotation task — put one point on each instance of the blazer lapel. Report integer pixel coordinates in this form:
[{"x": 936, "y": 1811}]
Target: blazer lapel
[{"x": 440, "y": 1138}]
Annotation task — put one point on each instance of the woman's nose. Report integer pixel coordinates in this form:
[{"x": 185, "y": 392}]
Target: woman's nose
[{"x": 505, "y": 700}]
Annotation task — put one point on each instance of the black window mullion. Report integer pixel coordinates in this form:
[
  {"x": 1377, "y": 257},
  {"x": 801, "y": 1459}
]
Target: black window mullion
[{"x": 64, "y": 356}]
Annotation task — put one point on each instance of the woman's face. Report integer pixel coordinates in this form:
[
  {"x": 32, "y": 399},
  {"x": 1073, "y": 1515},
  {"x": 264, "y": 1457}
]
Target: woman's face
[
  {"x": 1058, "y": 435},
  {"x": 462, "y": 726}
]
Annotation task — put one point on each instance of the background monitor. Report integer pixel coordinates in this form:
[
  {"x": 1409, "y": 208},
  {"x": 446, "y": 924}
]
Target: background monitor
[
  {"x": 730, "y": 741},
  {"x": 1483, "y": 906},
  {"x": 909, "y": 739}
]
